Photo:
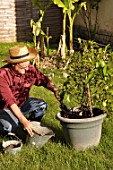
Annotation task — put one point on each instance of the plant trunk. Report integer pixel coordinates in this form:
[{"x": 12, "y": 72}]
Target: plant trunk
[
  {"x": 64, "y": 37},
  {"x": 89, "y": 99},
  {"x": 62, "y": 43},
  {"x": 71, "y": 38}
]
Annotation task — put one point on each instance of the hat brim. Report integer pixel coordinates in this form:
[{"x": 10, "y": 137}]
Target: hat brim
[{"x": 32, "y": 55}]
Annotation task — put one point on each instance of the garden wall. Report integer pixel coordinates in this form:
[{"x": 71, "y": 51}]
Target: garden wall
[
  {"x": 15, "y": 18},
  {"x": 7, "y": 21},
  {"x": 104, "y": 30}
]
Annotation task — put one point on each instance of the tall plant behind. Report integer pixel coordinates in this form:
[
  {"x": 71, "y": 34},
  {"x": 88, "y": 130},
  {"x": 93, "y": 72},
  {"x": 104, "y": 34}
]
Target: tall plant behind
[
  {"x": 37, "y": 26},
  {"x": 71, "y": 10},
  {"x": 87, "y": 17},
  {"x": 63, "y": 4}
]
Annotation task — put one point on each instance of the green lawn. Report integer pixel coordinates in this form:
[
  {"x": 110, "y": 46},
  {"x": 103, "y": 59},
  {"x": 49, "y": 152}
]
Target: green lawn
[{"x": 56, "y": 154}]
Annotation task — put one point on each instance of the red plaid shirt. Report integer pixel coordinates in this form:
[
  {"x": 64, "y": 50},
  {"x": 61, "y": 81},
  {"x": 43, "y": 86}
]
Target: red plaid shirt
[{"x": 14, "y": 88}]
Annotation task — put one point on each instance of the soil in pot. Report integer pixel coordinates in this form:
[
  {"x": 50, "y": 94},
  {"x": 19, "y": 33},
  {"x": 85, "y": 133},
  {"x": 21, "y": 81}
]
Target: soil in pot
[{"x": 80, "y": 112}]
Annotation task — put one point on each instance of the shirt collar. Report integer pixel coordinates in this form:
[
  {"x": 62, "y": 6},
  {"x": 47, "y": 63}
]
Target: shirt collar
[{"x": 14, "y": 73}]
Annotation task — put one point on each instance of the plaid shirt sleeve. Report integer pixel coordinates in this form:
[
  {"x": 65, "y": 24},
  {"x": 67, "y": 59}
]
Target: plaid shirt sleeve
[
  {"x": 5, "y": 91},
  {"x": 41, "y": 79}
]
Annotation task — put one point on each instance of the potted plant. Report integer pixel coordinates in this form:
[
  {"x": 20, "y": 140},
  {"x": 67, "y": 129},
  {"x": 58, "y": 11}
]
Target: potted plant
[{"x": 88, "y": 83}]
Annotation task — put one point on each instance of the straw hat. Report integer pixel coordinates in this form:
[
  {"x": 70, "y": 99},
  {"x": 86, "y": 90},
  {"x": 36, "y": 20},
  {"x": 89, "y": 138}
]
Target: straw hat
[{"x": 20, "y": 53}]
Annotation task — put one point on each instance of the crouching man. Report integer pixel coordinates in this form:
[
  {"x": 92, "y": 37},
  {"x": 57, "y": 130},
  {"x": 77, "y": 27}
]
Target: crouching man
[{"x": 16, "y": 80}]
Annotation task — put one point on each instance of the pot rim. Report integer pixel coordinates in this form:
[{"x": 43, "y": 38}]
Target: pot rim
[
  {"x": 5, "y": 144},
  {"x": 91, "y": 119}
]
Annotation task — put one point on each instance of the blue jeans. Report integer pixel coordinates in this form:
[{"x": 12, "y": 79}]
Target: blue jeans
[{"x": 33, "y": 108}]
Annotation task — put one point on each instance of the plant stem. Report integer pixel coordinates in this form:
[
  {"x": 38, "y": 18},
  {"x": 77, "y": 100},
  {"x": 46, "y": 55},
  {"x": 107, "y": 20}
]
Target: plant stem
[
  {"x": 89, "y": 99},
  {"x": 47, "y": 40}
]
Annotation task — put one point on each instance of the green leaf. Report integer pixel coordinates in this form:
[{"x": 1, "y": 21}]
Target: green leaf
[
  {"x": 101, "y": 62},
  {"x": 62, "y": 94},
  {"x": 34, "y": 40},
  {"x": 37, "y": 3},
  {"x": 42, "y": 32},
  {"x": 90, "y": 76},
  {"x": 59, "y": 3},
  {"x": 97, "y": 64},
  {"x": 110, "y": 91},
  {"x": 34, "y": 29},
  {"x": 83, "y": 4},
  {"x": 105, "y": 70},
  {"x": 32, "y": 23},
  {"x": 69, "y": 97}
]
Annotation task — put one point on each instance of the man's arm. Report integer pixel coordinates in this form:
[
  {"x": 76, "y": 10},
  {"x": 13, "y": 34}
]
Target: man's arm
[
  {"x": 43, "y": 80},
  {"x": 26, "y": 123},
  {"x": 51, "y": 86}
]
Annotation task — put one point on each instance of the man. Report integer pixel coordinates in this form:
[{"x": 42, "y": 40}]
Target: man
[{"x": 16, "y": 80}]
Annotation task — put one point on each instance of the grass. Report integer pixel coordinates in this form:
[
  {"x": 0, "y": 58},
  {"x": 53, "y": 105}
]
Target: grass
[{"x": 56, "y": 154}]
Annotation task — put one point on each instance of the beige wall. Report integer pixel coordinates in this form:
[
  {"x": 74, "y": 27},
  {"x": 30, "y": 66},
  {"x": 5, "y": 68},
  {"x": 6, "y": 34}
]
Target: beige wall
[
  {"x": 106, "y": 15},
  {"x": 105, "y": 19},
  {"x": 7, "y": 21}
]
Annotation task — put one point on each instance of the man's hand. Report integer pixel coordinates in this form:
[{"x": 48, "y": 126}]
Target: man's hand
[
  {"x": 51, "y": 86},
  {"x": 28, "y": 127},
  {"x": 26, "y": 123},
  {"x": 56, "y": 93}
]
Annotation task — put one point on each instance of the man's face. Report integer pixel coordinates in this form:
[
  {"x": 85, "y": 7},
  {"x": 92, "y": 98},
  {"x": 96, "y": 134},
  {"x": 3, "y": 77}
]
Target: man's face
[{"x": 21, "y": 67}]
